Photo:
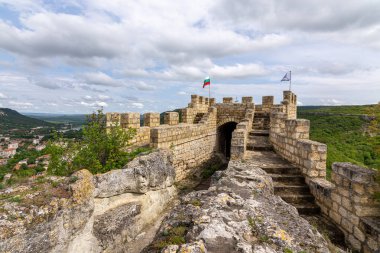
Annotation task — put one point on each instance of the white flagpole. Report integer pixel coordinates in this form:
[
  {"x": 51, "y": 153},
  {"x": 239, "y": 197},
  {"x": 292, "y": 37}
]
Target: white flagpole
[
  {"x": 290, "y": 83},
  {"x": 209, "y": 88}
]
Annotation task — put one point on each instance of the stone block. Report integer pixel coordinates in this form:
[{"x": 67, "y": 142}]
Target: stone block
[
  {"x": 130, "y": 120},
  {"x": 355, "y": 243},
  {"x": 246, "y": 100},
  {"x": 336, "y": 198},
  {"x": 359, "y": 234},
  {"x": 152, "y": 119},
  {"x": 335, "y": 217},
  {"x": 227, "y": 100},
  {"x": 347, "y": 225},
  {"x": 171, "y": 118}
]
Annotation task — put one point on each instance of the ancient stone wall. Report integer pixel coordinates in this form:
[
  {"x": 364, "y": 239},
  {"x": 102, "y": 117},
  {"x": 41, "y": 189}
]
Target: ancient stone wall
[
  {"x": 233, "y": 112},
  {"x": 194, "y": 141},
  {"x": 290, "y": 139},
  {"x": 240, "y": 136},
  {"x": 290, "y": 104},
  {"x": 193, "y": 145},
  {"x": 349, "y": 201},
  {"x": 132, "y": 120}
]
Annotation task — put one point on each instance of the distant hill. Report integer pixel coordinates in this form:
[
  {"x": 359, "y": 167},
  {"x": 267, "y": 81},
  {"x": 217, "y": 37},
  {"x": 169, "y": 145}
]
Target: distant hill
[
  {"x": 352, "y": 133},
  {"x": 11, "y": 119},
  {"x": 74, "y": 119}
]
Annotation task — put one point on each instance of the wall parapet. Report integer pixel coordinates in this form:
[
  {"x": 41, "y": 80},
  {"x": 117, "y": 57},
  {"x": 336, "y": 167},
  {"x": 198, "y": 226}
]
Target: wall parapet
[
  {"x": 349, "y": 201},
  {"x": 290, "y": 139},
  {"x": 240, "y": 136}
]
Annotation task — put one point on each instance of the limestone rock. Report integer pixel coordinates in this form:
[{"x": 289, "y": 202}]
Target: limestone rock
[
  {"x": 241, "y": 214},
  {"x": 112, "y": 227},
  {"x": 145, "y": 173},
  {"x": 49, "y": 227}
]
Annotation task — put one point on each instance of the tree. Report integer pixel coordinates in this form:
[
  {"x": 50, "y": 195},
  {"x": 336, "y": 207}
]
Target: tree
[{"x": 101, "y": 149}]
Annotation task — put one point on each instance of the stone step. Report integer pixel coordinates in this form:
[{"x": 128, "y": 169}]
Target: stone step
[
  {"x": 307, "y": 209},
  {"x": 262, "y": 132},
  {"x": 282, "y": 170},
  {"x": 288, "y": 179},
  {"x": 259, "y": 147},
  {"x": 280, "y": 188},
  {"x": 297, "y": 199}
]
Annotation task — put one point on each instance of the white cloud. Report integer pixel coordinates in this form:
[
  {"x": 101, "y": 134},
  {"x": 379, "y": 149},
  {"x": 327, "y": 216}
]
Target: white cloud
[
  {"x": 137, "y": 105},
  {"x": 20, "y": 105},
  {"x": 115, "y": 53},
  {"x": 238, "y": 71},
  {"x": 2, "y": 96},
  {"x": 99, "y": 78},
  {"x": 94, "y": 104},
  {"x": 140, "y": 85}
]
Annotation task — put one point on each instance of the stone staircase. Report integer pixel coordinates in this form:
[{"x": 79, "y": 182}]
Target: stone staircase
[
  {"x": 289, "y": 183},
  {"x": 261, "y": 121}
]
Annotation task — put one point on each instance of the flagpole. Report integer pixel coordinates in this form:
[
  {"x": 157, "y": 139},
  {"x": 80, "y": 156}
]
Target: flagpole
[
  {"x": 209, "y": 93},
  {"x": 290, "y": 84}
]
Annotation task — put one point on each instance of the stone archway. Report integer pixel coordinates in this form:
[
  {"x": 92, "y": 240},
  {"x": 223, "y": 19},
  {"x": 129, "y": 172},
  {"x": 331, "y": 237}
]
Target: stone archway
[{"x": 224, "y": 138}]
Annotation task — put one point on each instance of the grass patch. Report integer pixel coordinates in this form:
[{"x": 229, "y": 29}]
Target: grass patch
[
  {"x": 172, "y": 236},
  {"x": 15, "y": 199},
  {"x": 209, "y": 171},
  {"x": 196, "y": 202},
  {"x": 73, "y": 179}
]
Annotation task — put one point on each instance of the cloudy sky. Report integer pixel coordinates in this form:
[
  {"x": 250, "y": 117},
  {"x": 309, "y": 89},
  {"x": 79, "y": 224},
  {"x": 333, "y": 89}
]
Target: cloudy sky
[{"x": 71, "y": 56}]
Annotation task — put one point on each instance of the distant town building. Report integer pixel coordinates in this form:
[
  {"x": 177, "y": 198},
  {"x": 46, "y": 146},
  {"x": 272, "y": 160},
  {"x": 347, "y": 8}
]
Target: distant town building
[
  {"x": 13, "y": 145},
  {"x": 3, "y": 162},
  {"x": 36, "y": 141},
  {"x": 7, "y": 153}
]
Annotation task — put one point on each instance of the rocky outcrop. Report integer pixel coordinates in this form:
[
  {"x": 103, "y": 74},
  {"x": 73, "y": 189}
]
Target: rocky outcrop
[
  {"x": 238, "y": 213},
  {"x": 143, "y": 174},
  {"x": 49, "y": 228},
  {"x": 112, "y": 212}
]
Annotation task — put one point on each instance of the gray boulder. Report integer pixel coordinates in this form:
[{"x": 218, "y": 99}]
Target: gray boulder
[{"x": 145, "y": 173}]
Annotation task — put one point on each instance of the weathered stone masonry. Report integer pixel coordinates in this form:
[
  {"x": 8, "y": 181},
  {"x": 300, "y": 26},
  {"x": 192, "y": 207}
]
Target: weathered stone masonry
[
  {"x": 348, "y": 199},
  {"x": 193, "y": 141}
]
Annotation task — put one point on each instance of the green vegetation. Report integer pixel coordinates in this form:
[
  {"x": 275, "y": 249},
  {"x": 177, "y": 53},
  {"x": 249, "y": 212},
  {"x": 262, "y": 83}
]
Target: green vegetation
[
  {"x": 24, "y": 171},
  {"x": 350, "y": 135},
  {"x": 174, "y": 235},
  {"x": 209, "y": 171},
  {"x": 196, "y": 202},
  {"x": 101, "y": 149}
]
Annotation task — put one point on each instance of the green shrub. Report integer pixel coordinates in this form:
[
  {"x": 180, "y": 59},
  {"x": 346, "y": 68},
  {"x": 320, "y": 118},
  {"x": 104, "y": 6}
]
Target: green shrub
[{"x": 101, "y": 149}]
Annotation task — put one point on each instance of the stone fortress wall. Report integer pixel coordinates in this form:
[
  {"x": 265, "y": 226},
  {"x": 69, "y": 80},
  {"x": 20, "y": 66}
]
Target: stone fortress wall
[
  {"x": 194, "y": 140},
  {"x": 347, "y": 200}
]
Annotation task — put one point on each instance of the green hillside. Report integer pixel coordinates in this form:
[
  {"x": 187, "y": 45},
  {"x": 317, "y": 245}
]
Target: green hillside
[
  {"x": 11, "y": 119},
  {"x": 352, "y": 133}
]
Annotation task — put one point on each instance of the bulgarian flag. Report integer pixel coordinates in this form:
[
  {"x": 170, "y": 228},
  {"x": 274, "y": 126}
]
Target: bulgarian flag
[{"x": 206, "y": 82}]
